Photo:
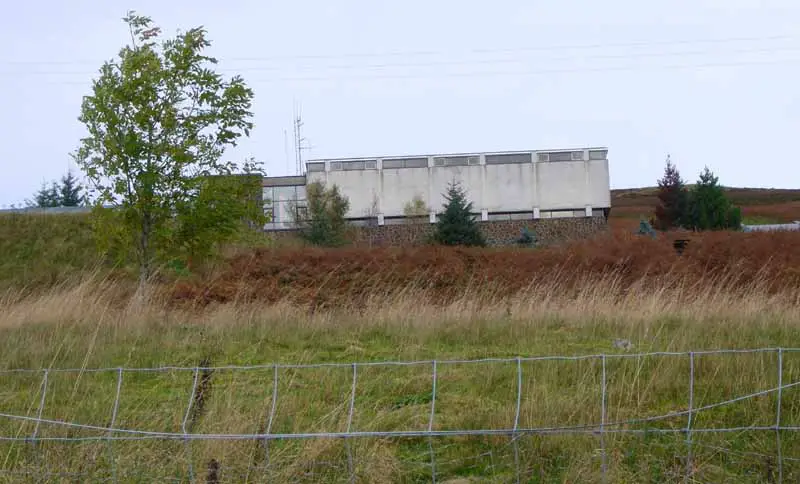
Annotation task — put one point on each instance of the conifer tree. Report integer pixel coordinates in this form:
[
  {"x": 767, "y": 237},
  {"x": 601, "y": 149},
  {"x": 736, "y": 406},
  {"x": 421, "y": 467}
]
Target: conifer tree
[
  {"x": 673, "y": 199},
  {"x": 457, "y": 226}
]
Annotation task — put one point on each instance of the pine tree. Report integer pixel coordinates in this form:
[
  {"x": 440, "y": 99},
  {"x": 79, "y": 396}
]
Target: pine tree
[
  {"x": 673, "y": 199},
  {"x": 71, "y": 191},
  {"x": 457, "y": 226},
  {"x": 710, "y": 209},
  {"x": 46, "y": 197}
]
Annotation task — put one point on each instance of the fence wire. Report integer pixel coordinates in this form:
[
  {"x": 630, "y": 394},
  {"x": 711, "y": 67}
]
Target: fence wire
[{"x": 515, "y": 452}]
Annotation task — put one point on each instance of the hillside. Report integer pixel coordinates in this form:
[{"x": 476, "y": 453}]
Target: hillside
[
  {"x": 329, "y": 341},
  {"x": 759, "y": 205},
  {"x": 37, "y": 250}
]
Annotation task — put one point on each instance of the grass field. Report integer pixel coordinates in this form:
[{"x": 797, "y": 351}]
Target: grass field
[
  {"x": 59, "y": 309},
  {"x": 86, "y": 325}
]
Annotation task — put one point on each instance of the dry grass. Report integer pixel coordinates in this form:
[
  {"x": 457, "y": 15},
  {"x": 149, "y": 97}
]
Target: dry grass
[
  {"x": 89, "y": 323},
  {"x": 302, "y": 306},
  {"x": 356, "y": 277}
]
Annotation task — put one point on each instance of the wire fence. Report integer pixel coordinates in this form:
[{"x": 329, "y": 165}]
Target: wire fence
[{"x": 699, "y": 416}]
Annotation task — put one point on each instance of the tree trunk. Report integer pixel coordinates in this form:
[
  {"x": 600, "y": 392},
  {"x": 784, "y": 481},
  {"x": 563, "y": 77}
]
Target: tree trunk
[{"x": 144, "y": 252}]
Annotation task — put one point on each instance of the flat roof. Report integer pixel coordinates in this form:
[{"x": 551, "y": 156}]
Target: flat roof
[{"x": 471, "y": 153}]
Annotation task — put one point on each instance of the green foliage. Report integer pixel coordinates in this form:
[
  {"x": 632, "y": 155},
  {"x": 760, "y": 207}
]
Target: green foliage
[
  {"x": 71, "y": 191},
  {"x": 326, "y": 224},
  {"x": 527, "y": 238},
  {"x": 673, "y": 199},
  {"x": 46, "y": 197},
  {"x": 159, "y": 120},
  {"x": 704, "y": 206},
  {"x": 68, "y": 193},
  {"x": 415, "y": 207},
  {"x": 709, "y": 208},
  {"x": 114, "y": 235},
  {"x": 457, "y": 226},
  {"x": 646, "y": 229},
  {"x": 223, "y": 207},
  {"x": 416, "y": 211}
]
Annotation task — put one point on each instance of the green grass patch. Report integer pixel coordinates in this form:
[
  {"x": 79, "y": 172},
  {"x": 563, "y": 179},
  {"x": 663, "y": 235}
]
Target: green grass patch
[{"x": 469, "y": 395}]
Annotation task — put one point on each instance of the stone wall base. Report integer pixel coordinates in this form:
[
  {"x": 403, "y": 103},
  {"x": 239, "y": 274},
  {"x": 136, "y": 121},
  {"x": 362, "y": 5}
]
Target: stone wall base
[{"x": 497, "y": 233}]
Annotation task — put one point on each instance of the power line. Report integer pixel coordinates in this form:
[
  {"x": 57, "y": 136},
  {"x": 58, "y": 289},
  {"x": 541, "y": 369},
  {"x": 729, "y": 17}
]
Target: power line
[
  {"x": 526, "y": 73},
  {"x": 640, "y": 43},
  {"x": 490, "y": 73},
  {"x": 462, "y": 63}
]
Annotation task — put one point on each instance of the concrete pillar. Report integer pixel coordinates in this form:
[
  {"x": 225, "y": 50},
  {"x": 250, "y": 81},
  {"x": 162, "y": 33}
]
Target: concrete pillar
[
  {"x": 587, "y": 183},
  {"x": 482, "y": 196},
  {"x": 537, "y": 199},
  {"x": 430, "y": 196}
]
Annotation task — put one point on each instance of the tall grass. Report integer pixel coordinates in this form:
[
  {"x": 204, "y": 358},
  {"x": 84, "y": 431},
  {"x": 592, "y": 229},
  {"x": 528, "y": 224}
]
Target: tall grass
[{"x": 95, "y": 322}]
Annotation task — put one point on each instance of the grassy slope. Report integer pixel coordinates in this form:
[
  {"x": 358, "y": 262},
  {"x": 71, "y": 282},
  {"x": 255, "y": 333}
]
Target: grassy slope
[
  {"x": 92, "y": 325},
  {"x": 86, "y": 327},
  {"x": 40, "y": 250}
]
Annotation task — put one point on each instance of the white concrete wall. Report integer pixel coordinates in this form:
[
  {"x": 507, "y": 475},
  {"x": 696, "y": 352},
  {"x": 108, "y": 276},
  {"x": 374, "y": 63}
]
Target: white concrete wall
[{"x": 494, "y": 188}]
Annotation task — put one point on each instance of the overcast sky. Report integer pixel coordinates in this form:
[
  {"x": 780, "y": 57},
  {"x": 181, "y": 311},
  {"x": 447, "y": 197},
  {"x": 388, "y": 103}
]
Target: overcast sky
[{"x": 711, "y": 82}]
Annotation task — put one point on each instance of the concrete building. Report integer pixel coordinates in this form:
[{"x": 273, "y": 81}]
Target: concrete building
[{"x": 503, "y": 186}]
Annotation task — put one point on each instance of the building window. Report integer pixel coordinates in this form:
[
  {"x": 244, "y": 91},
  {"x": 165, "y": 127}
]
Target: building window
[
  {"x": 560, "y": 156},
  {"x": 598, "y": 154},
  {"x": 282, "y": 204},
  {"x": 508, "y": 159},
  {"x": 270, "y": 212},
  {"x": 405, "y": 163},
  {"x": 452, "y": 160},
  {"x": 301, "y": 213},
  {"x": 353, "y": 165}
]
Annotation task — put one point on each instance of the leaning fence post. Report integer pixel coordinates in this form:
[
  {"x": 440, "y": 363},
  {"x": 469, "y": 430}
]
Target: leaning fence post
[
  {"x": 34, "y": 437},
  {"x": 604, "y": 464},
  {"x": 516, "y": 418},
  {"x": 778, "y": 415},
  {"x": 39, "y": 413},
  {"x": 185, "y": 428},
  {"x": 270, "y": 418},
  {"x": 350, "y": 464},
  {"x": 430, "y": 425},
  {"x": 689, "y": 465},
  {"x": 110, "y": 433}
]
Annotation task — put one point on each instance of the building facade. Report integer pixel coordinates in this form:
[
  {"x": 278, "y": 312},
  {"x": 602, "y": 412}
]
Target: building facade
[{"x": 522, "y": 186}]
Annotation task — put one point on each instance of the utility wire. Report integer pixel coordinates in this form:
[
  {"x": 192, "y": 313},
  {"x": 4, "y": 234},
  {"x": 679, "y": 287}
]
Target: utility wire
[
  {"x": 459, "y": 63},
  {"x": 489, "y": 73},
  {"x": 641, "y": 43},
  {"x": 523, "y": 73}
]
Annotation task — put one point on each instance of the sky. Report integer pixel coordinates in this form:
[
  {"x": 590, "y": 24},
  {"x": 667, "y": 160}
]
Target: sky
[{"x": 710, "y": 82}]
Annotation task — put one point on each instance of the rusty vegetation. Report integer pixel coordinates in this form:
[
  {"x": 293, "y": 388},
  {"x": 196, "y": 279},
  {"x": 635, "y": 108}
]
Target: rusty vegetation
[{"x": 321, "y": 278}]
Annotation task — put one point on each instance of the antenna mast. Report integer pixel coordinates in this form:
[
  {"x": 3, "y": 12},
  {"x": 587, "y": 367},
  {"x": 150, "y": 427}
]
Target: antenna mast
[{"x": 299, "y": 141}]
